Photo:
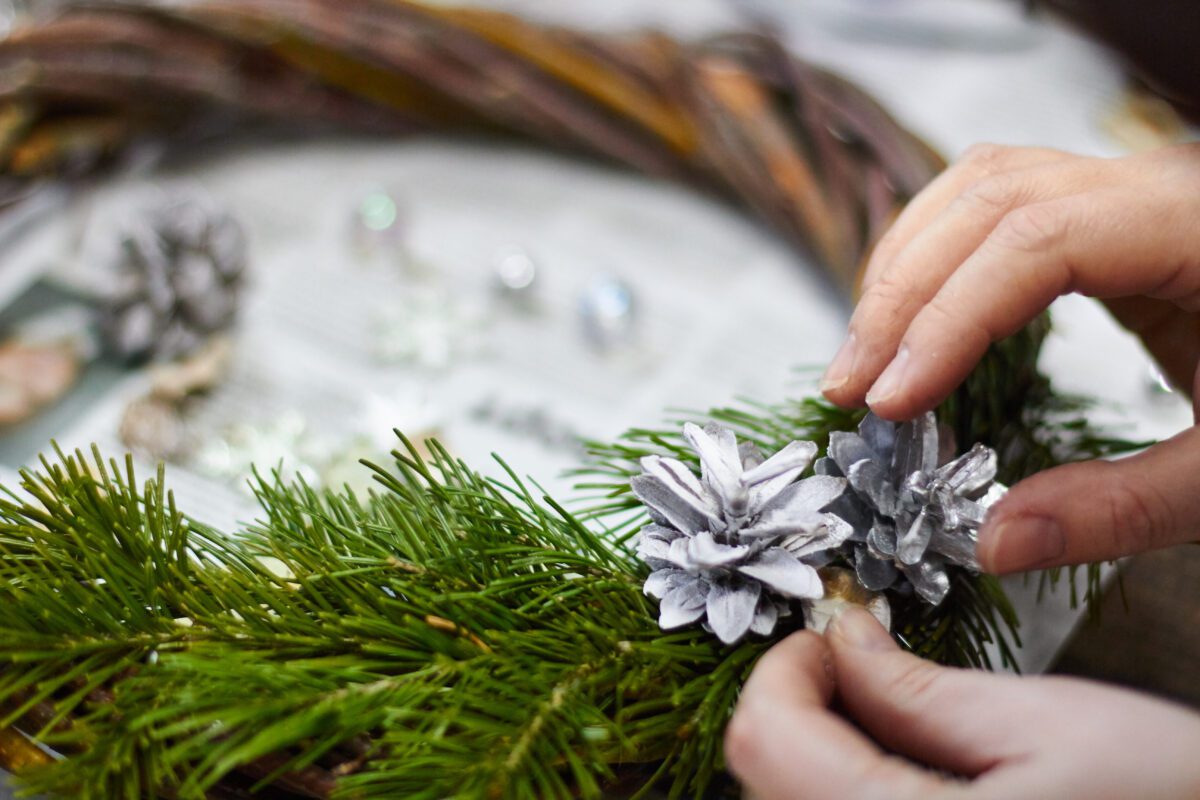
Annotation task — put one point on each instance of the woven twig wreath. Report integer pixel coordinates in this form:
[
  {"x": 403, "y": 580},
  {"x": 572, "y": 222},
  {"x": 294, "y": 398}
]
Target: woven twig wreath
[{"x": 807, "y": 151}]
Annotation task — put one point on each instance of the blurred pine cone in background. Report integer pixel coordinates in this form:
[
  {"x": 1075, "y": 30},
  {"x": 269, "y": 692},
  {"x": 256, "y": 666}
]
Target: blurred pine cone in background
[{"x": 176, "y": 281}]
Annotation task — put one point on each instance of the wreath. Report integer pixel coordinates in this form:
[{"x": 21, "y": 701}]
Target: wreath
[{"x": 451, "y": 635}]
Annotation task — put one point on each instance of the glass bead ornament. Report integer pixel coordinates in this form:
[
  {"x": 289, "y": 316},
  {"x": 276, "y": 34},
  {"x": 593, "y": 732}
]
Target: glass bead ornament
[
  {"x": 515, "y": 274},
  {"x": 842, "y": 589},
  {"x": 608, "y": 312},
  {"x": 377, "y": 227}
]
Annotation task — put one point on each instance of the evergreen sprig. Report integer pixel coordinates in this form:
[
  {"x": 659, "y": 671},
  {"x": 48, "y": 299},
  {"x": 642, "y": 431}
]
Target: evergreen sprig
[
  {"x": 446, "y": 636},
  {"x": 1005, "y": 403}
]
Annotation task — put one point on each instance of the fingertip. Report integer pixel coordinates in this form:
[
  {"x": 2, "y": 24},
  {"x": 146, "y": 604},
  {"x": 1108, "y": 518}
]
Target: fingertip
[
  {"x": 791, "y": 685},
  {"x": 897, "y": 406},
  {"x": 925, "y": 370},
  {"x": 838, "y": 384},
  {"x": 804, "y": 654},
  {"x": 1000, "y": 522},
  {"x": 783, "y": 738},
  {"x": 894, "y": 395},
  {"x": 843, "y": 395},
  {"x": 912, "y": 706},
  {"x": 1020, "y": 543},
  {"x": 856, "y": 627},
  {"x": 860, "y": 649},
  {"x": 985, "y": 545}
]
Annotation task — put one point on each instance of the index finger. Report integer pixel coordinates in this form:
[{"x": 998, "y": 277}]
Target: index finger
[
  {"x": 784, "y": 743},
  {"x": 977, "y": 163},
  {"x": 1108, "y": 243}
]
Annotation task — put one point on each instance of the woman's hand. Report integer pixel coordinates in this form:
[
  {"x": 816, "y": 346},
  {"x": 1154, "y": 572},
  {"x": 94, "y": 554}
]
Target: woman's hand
[
  {"x": 1006, "y": 737},
  {"x": 981, "y": 252}
]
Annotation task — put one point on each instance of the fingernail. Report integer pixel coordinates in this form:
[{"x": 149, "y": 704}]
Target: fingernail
[
  {"x": 891, "y": 380},
  {"x": 856, "y": 627},
  {"x": 1021, "y": 543},
  {"x": 838, "y": 372}
]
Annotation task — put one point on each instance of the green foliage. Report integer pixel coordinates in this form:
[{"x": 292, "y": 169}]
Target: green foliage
[
  {"x": 447, "y": 636},
  {"x": 1005, "y": 403}
]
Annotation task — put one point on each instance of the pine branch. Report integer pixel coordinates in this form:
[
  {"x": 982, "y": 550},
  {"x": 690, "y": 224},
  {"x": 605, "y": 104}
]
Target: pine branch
[
  {"x": 1005, "y": 403},
  {"x": 479, "y": 640},
  {"x": 448, "y": 635}
]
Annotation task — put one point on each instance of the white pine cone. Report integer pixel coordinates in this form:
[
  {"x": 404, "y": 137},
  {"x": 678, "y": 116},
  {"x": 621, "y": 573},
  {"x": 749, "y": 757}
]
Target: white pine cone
[
  {"x": 912, "y": 515},
  {"x": 731, "y": 548},
  {"x": 176, "y": 281}
]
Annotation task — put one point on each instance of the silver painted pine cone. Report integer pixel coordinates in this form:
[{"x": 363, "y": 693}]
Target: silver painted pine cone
[
  {"x": 176, "y": 281},
  {"x": 732, "y": 548},
  {"x": 912, "y": 515}
]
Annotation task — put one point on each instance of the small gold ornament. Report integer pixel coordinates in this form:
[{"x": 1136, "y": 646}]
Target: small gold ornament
[{"x": 842, "y": 589}]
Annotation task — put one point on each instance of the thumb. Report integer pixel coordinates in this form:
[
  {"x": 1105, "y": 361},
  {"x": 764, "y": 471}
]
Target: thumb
[
  {"x": 783, "y": 742},
  {"x": 960, "y": 720},
  {"x": 1097, "y": 510}
]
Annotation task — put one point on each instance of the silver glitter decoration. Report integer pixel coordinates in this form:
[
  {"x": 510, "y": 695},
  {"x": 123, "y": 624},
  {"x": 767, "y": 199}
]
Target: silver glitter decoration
[
  {"x": 284, "y": 443},
  {"x": 731, "y": 548},
  {"x": 176, "y": 281},
  {"x": 608, "y": 311},
  {"x": 912, "y": 515},
  {"x": 426, "y": 327}
]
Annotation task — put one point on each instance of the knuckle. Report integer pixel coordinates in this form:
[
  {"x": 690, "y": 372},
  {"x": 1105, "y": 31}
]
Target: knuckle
[
  {"x": 887, "y": 247},
  {"x": 915, "y": 687},
  {"x": 996, "y": 193},
  {"x": 884, "y": 308},
  {"x": 1031, "y": 228},
  {"x": 1139, "y": 517},
  {"x": 986, "y": 158},
  {"x": 888, "y": 295},
  {"x": 943, "y": 318}
]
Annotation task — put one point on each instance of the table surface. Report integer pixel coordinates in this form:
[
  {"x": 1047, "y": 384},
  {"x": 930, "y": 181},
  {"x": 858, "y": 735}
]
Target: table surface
[{"x": 1148, "y": 639}]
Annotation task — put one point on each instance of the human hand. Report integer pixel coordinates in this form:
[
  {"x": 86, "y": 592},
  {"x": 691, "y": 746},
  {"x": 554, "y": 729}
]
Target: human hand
[
  {"x": 981, "y": 252},
  {"x": 1002, "y": 736}
]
